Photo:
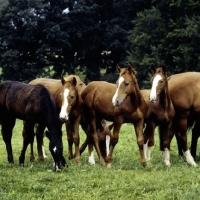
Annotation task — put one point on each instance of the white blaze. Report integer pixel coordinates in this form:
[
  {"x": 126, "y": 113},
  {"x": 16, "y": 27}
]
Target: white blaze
[
  {"x": 63, "y": 112},
  {"x": 121, "y": 79},
  {"x": 152, "y": 96}
]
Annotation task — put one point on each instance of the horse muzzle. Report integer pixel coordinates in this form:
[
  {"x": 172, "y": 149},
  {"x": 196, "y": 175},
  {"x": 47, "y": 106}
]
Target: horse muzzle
[{"x": 64, "y": 118}]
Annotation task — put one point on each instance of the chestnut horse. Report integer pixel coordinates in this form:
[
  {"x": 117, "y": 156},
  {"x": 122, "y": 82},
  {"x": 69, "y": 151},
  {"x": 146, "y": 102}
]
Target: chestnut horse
[
  {"x": 66, "y": 93},
  {"x": 33, "y": 104},
  {"x": 160, "y": 113},
  {"x": 121, "y": 103},
  {"x": 185, "y": 95}
]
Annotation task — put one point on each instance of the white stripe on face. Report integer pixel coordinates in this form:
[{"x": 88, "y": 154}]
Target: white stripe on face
[
  {"x": 152, "y": 96},
  {"x": 121, "y": 79},
  {"x": 63, "y": 112}
]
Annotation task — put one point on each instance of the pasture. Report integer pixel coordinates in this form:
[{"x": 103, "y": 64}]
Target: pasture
[{"x": 125, "y": 180}]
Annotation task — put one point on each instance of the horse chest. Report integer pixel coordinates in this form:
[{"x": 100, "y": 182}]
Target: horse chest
[{"x": 158, "y": 115}]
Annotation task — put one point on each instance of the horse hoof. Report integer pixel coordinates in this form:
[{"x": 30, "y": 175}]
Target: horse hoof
[
  {"x": 32, "y": 159},
  {"x": 21, "y": 164},
  {"x": 109, "y": 165},
  {"x": 41, "y": 159},
  {"x": 144, "y": 164},
  {"x": 58, "y": 169}
]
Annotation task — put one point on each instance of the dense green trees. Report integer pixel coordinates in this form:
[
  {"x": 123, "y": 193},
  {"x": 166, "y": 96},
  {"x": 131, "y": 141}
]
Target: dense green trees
[{"x": 51, "y": 38}]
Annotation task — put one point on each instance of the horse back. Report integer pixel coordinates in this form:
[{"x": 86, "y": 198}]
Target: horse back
[
  {"x": 97, "y": 96},
  {"x": 22, "y": 100},
  {"x": 184, "y": 90}
]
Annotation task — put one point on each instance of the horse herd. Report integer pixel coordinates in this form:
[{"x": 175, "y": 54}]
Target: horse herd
[{"x": 172, "y": 104}]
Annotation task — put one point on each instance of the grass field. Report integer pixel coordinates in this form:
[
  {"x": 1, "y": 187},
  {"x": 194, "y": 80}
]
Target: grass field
[{"x": 126, "y": 180}]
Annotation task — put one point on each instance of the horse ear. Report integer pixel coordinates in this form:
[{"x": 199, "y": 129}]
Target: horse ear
[
  {"x": 153, "y": 69},
  {"x": 130, "y": 68},
  {"x": 74, "y": 81},
  {"x": 164, "y": 68},
  {"x": 118, "y": 68},
  {"x": 63, "y": 80}
]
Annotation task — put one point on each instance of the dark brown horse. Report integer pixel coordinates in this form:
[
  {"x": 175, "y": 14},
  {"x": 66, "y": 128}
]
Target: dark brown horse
[
  {"x": 66, "y": 93},
  {"x": 185, "y": 95},
  {"x": 33, "y": 104},
  {"x": 160, "y": 113},
  {"x": 121, "y": 103}
]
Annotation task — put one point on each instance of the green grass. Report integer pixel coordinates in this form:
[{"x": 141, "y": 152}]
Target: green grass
[{"x": 126, "y": 180}]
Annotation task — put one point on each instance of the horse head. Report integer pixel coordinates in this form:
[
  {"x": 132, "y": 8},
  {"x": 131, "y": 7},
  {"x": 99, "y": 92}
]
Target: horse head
[
  {"x": 69, "y": 96},
  {"x": 158, "y": 82},
  {"x": 125, "y": 84}
]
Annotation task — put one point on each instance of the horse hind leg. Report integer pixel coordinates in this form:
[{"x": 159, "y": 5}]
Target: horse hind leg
[
  {"x": 7, "y": 128},
  {"x": 40, "y": 143},
  {"x": 28, "y": 138},
  {"x": 195, "y": 136},
  {"x": 32, "y": 156},
  {"x": 148, "y": 140}
]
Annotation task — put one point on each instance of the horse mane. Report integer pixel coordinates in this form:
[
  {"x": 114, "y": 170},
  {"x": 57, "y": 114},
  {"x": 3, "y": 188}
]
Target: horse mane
[{"x": 49, "y": 107}]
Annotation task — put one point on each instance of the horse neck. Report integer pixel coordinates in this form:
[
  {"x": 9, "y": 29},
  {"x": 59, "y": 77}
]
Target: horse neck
[
  {"x": 164, "y": 98},
  {"x": 136, "y": 96}
]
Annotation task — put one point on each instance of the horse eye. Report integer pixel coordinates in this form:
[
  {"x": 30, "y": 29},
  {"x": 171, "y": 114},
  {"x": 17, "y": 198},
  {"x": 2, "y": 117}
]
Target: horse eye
[
  {"x": 161, "y": 81},
  {"x": 126, "y": 84},
  {"x": 72, "y": 97}
]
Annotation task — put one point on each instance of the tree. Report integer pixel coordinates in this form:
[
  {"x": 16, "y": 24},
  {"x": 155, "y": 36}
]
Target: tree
[
  {"x": 168, "y": 33},
  {"x": 147, "y": 39}
]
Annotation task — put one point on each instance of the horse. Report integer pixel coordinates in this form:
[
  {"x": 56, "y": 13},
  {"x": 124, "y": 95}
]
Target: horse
[
  {"x": 66, "y": 93},
  {"x": 160, "y": 113},
  {"x": 185, "y": 95},
  {"x": 104, "y": 137},
  {"x": 33, "y": 104},
  {"x": 119, "y": 103}
]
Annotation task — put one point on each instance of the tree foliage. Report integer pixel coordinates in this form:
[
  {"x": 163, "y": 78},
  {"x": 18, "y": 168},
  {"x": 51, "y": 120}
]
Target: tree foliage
[{"x": 53, "y": 38}]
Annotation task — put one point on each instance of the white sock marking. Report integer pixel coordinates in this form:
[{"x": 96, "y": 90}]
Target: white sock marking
[
  {"x": 166, "y": 157},
  {"x": 189, "y": 158},
  {"x": 91, "y": 159},
  {"x": 54, "y": 149},
  {"x": 107, "y": 144}
]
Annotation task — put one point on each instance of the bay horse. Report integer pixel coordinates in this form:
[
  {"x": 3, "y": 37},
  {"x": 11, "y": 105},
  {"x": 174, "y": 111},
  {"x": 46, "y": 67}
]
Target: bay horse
[
  {"x": 160, "y": 113},
  {"x": 119, "y": 103},
  {"x": 66, "y": 93},
  {"x": 33, "y": 104}
]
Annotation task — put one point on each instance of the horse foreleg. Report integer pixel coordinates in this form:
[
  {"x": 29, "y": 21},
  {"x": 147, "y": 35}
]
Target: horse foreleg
[
  {"x": 69, "y": 130},
  {"x": 96, "y": 144},
  {"x": 113, "y": 142},
  {"x": 7, "y": 135},
  {"x": 140, "y": 140},
  {"x": 76, "y": 140}
]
